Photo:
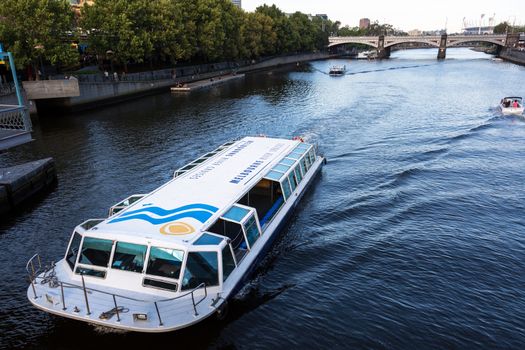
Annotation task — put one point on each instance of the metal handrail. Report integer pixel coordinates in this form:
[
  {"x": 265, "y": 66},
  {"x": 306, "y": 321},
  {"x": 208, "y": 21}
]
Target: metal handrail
[
  {"x": 30, "y": 263},
  {"x": 33, "y": 277}
]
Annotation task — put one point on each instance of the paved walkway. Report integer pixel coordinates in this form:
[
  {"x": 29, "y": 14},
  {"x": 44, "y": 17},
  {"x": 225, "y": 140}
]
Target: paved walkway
[{"x": 201, "y": 84}]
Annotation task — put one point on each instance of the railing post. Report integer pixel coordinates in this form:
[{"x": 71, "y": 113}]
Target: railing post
[
  {"x": 116, "y": 308},
  {"x": 32, "y": 270},
  {"x": 63, "y": 298},
  {"x": 33, "y": 286},
  {"x": 193, "y": 301},
  {"x": 158, "y": 313},
  {"x": 85, "y": 295}
]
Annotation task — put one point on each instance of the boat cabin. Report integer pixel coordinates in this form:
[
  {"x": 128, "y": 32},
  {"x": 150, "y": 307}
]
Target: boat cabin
[{"x": 198, "y": 228}]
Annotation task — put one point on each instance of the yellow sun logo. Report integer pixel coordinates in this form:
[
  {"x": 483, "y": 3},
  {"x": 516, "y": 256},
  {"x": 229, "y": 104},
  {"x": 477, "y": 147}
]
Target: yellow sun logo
[{"x": 176, "y": 229}]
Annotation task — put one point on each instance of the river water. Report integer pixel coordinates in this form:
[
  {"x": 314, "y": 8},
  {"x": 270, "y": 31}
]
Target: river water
[{"x": 413, "y": 237}]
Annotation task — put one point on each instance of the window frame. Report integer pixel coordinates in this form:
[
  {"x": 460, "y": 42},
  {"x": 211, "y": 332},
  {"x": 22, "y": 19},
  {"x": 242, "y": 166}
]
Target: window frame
[
  {"x": 94, "y": 267},
  {"x": 145, "y": 273},
  {"x": 206, "y": 250},
  {"x": 69, "y": 247}
]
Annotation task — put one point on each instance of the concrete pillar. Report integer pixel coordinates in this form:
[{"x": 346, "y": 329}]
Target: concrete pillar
[
  {"x": 442, "y": 52},
  {"x": 382, "y": 52},
  {"x": 512, "y": 40}
]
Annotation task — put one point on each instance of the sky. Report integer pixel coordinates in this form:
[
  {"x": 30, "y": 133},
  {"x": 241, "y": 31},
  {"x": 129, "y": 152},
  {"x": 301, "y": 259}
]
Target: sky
[{"x": 406, "y": 15}]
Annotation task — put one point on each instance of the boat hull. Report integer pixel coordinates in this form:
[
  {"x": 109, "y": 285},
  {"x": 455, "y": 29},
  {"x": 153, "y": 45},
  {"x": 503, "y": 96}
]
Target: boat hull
[{"x": 511, "y": 110}]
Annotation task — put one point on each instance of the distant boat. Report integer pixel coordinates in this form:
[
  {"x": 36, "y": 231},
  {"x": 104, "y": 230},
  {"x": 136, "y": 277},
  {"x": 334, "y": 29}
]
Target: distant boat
[
  {"x": 337, "y": 71},
  {"x": 511, "y": 105},
  {"x": 367, "y": 55}
]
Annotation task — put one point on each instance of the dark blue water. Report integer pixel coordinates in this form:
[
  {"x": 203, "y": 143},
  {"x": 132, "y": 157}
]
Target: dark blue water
[{"x": 413, "y": 237}]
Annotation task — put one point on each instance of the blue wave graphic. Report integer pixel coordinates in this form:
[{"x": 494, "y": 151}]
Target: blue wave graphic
[
  {"x": 163, "y": 212},
  {"x": 200, "y": 212},
  {"x": 199, "y": 215}
]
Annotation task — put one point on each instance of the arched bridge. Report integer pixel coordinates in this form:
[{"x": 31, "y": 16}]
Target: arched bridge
[{"x": 384, "y": 43}]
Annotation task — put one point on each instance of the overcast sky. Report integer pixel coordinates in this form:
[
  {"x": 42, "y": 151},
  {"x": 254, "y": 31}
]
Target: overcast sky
[{"x": 406, "y": 15}]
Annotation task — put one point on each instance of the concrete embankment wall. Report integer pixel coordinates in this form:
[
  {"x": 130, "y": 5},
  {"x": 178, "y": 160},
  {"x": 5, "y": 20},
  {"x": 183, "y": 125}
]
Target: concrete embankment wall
[
  {"x": 94, "y": 94},
  {"x": 513, "y": 55},
  {"x": 286, "y": 60},
  {"x": 20, "y": 183}
]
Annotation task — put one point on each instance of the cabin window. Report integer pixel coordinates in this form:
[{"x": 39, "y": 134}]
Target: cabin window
[
  {"x": 232, "y": 230},
  {"x": 304, "y": 167},
  {"x": 164, "y": 262},
  {"x": 307, "y": 160},
  {"x": 129, "y": 257},
  {"x": 281, "y": 167},
  {"x": 295, "y": 154},
  {"x": 274, "y": 175},
  {"x": 207, "y": 239},
  {"x": 298, "y": 175},
  {"x": 286, "y": 188},
  {"x": 293, "y": 181},
  {"x": 252, "y": 230},
  {"x": 287, "y": 161},
  {"x": 312, "y": 155},
  {"x": 96, "y": 251},
  {"x": 228, "y": 264},
  {"x": 72, "y": 253},
  {"x": 236, "y": 213},
  {"x": 266, "y": 197},
  {"x": 201, "y": 267}
]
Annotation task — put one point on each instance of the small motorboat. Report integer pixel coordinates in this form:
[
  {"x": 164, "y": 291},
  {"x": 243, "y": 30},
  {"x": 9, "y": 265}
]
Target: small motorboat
[
  {"x": 337, "y": 71},
  {"x": 511, "y": 105}
]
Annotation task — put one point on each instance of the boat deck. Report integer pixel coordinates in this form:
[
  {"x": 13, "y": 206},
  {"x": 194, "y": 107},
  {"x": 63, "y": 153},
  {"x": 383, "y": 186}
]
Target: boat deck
[{"x": 88, "y": 305}]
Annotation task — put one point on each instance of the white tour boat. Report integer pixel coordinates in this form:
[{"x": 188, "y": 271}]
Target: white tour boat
[
  {"x": 337, "y": 70},
  {"x": 511, "y": 105},
  {"x": 171, "y": 258}
]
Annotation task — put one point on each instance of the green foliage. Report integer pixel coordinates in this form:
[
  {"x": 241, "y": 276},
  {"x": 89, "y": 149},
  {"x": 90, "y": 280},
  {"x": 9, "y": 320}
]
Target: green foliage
[
  {"x": 505, "y": 27},
  {"x": 38, "y": 29},
  {"x": 375, "y": 29},
  {"x": 137, "y": 31}
]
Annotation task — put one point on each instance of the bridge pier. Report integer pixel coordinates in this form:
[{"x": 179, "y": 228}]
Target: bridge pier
[
  {"x": 382, "y": 52},
  {"x": 512, "y": 40},
  {"x": 442, "y": 52}
]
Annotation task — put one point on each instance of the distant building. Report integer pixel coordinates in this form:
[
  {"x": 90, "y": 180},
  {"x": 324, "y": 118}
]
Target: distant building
[
  {"x": 322, "y": 15},
  {"x": 364, "y": 23},
  {"x": 486, "y": 30},
  {"x": 237, "y": 3},
  {"x": 414, "y": 32}
]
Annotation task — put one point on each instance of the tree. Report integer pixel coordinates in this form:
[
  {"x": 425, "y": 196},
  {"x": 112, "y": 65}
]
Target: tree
[
  {"x": 501, "y": 28},
  {"x": 121, "y": 29},
  {"x": 258, "y": 35},
  {"x": 37, "y": 30}
]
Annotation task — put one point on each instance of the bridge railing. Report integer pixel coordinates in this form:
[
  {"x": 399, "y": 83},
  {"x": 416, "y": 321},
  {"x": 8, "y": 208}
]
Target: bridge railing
[{"x": 14, "y": 118}]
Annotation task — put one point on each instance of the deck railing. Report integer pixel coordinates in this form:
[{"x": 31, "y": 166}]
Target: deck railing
[
  {"x": 34, "y": 268},
  {"x": 14, "y": 118}
]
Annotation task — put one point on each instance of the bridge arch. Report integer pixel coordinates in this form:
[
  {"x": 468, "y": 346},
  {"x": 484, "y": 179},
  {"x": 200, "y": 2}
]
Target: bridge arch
[
  {"x": 454, "y": 42},
  {"x": 433, "y": 43},
  {"x": 372, "y": 42}
]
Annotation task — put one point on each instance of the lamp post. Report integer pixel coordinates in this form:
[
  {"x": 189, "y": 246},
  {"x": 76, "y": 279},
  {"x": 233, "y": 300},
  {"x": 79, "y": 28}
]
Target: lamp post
[
  {"x": 40, "y": 49},
  {"x": 480, "y": 20},
  {"x": 109, "y": 55}
]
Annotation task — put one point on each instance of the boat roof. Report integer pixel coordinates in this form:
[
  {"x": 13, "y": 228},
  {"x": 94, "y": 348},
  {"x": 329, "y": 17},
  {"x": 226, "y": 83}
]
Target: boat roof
[
  {"x": 513, "y": 97},
  {"x": 178, "y": 211}
]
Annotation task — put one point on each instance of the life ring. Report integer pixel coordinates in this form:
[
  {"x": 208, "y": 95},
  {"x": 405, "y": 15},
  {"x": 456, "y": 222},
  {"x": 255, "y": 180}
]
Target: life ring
[{"x": 298, "y": 138}]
